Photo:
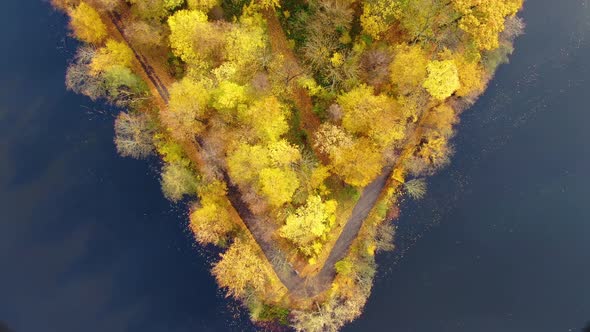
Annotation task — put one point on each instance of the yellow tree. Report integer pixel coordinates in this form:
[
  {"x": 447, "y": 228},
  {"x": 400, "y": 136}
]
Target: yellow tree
[
  {"x": 408, "y": 68},
  {"x": 241, "y": 268},
  {"x": 193, "y": 39},
  {"x": 267, "y": 168},
  {"x": 211, "y": 221},
  {"x": 87, "y": 24},
  {"x": 378, "y": 16},
  {"x": 278, "y": 185},
  {"x": 267, "y": 117},
  {"x": 359, "y": 163},
  {"x": 308, "y": 226},
  {"x": 484, "y": 20},
  {"x": 178, "y": 180},
  {"x": 441, "y": 119},
  {"x": 283, "y": 154},
  {"x": 471, "y": 76},
  {"x": 375, "y": 116},
  {"x": 187, "y": 107},
  {"x": 230, "y": 98},
  {"x": 435, "y": 151},
  {"x": 331, "y": 139},
  {"x": 443, "y": 79},
  {"x": 245, "y": 162},
  {"x": 202, "y": 5},
  {"x": 244, "y": 45},
  {"x": 114, "y": 53}
]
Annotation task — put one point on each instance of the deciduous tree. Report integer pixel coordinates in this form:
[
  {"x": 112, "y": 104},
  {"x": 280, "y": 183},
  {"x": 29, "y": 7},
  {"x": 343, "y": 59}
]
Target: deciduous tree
[
  {"x": 278, "y": 185},
  {"x": 211, "y": 221},
  {"x": 408, "y": 68},
  {"x": 308, "y": 226},
  {"x": 484, "y": 20},
  {"x": 133, "y": 135},
  {"x": 241, "y": 268},
  {"x": 178, "y": 180},
  {"x": 114, "y": 53},
  {"x": 193, "y": 39},
  {"x": 443, "y": 79},
  {"x": 87, "y": 25}
]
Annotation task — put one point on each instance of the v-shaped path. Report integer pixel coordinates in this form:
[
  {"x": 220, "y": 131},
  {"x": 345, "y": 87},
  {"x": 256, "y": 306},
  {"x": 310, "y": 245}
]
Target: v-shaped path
[{"x": 301, "y": 287}]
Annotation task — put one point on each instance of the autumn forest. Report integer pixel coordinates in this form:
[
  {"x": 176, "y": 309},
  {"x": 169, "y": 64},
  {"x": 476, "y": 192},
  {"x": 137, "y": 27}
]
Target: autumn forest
[{"x": 294, "y": 128}]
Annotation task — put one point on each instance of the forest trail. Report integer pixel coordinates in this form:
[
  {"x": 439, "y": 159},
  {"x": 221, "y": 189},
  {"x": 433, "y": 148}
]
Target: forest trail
[{"x": 298, "y": 287}]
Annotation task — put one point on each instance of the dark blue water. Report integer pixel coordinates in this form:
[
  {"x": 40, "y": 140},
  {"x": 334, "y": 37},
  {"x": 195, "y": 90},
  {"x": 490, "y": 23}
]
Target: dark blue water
[{"x": 501, "y": 243}]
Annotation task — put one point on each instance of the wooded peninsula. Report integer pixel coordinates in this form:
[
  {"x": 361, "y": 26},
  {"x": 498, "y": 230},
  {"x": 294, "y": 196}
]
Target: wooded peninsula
[{"x": 293, "y": 127}]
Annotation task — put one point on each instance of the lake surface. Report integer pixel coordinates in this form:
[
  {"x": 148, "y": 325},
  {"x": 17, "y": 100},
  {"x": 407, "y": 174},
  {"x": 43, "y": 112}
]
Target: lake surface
[{"x": 501, "y": 243}]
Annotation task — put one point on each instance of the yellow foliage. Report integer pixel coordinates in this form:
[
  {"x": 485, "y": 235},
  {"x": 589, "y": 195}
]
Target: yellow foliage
[
  {"x": 377, "y": 117},
  {"x": 87, "y": 24},
  {"x": 268, "y": 168},
  {"x": 377, "y": 16},
  {"x": 211, "y": 222},
  {"x": 202, "y": 5},
  {"x": 435, "y": 151},
  {"x": 114, "y": 53},
  {"x": 245, "y": 43},
  {"x": 267, "y": 117},
  {"x": 229, "y": 97},
  {"x": 441, "y": 120},
  {"x": 241, "y": 267},
  {"x": 283, "y": 154},
  {"x": 443, "y": 79},
  {"x": 359, "y": 163},
  {"x": 193, "y": 39},
  {"x": 408, "y": 68},
  {"x": 471, "y": 76},
  {"x": 310, "y": 85},
  {"x": 278, "y": 185},
  {"x": 318, "y": 176},
  {"x": 187, "y": 107},
  {"x": 308, "y": 226},
  {"x": 484, "y": 20},
  {"x": 337, "y": 59},
  {"x": 331, "y": 138}
]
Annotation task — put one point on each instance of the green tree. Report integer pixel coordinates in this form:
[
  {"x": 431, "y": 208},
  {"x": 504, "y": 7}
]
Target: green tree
[
  {"x": 195, "y": 40},
  {"x": 359, "y": 163}
]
